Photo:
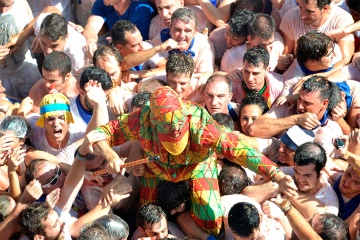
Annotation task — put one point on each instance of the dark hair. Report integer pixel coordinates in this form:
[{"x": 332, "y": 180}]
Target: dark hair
[
  {"x": 105, "y": 50},
  {"x": 18, "y": 125},
  {"x": 334, "y": 228},
  {"x": 57, "y": 61},
  {"x": 119, "y": 30},
  {"x": 327, "y": 89},
  {"x": 218, "y": 78},
  {"x": 224, "y": 120},
  {"x": 151, "y": 85},
  {"x": 185, "y": 15},
  {"x": 54, "y": 26},
  {"x": 178, "y": 64},
  {"x": 4, "y": 207},
  {"x": 255, "y": 6},
  {"x": 149, "y": 215},
  {"x": 96, "y": 74},
  {"x": 254, "y": 99},
  {"x": 354, "y": 5},
  {"x": 311, "y": 152},
  {"x": 232, "y": 179},
  {"x": 262, "y": 25},
  {"x": 320, "y": 3},
  {"x": 31, "y": 168},
  {"x": 31, "y": 219},
  {"x": 94, "y": 232},
  {"x": 140, "y": 99},
  {"x": 115, "y": 226},
  {"x": 238, "y": 23},
  {"x": 243, "y": 219},
  {"x": 257, "y": 55},
  {"x": 313, "y": 45},
  {"x": 171, "y": 194}
]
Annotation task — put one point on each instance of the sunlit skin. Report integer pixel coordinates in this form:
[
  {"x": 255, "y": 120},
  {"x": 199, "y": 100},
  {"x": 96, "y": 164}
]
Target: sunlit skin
[
  {"x": 260, "y": 42},
  {"x": 178, "y": 209},
  {"x": 183, "y": 33},
  {"x": 350, "y": 183},
  {"x": 133, "y": 43},
  {"x": 254, "y": 76},
  {"x": 248, "y": 115},
  {"x": 45, "y": 172},
  {"x": 324, "y": 63},
  {"x": 57, "y": 131},
  {"x": 166, "y": 8},
  {"x": 286, "y": 155},
  {"x": 53, "y": 226},
  {"x": 53, "y": 79},
  {"x": 5, "y": 4},
  {"x": 111, "y": 66},
  {"x": 311, "y": 14},
  {"x": 231, "y": 40},
  {"x": 47, "y": 45},
  {"x": 254, "y": 236},
  {"x": 311, "y": 102},
  {"x": 217, "y": 97},
  {"x": 180, "y": 83},
  {"x": 16, "y": 142},
  {"x": 158, "y": 231},
  {"x": 306, "y": 178}
]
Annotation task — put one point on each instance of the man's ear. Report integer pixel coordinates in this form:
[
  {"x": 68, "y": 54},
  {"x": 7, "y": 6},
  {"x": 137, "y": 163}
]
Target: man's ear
[
  {"x": 325, "y": 103},
  {"x": 67, "y": 77},
  {"x": 39, "y": 237},
  {"x": 82, "y": 93},
  {"x": 327, "y": 7},
  {"x": 142, "y": 230}
]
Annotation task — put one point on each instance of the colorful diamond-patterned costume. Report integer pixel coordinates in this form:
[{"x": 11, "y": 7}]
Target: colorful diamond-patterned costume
[{"x": 185, "y": 137}]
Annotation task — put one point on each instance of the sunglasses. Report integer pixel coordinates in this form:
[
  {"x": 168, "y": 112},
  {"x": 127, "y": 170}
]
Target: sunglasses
[{"x": 55, "y": 179}]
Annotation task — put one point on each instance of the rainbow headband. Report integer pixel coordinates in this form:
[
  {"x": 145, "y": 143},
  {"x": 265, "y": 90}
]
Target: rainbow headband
[{"x": 54, "y": 107}]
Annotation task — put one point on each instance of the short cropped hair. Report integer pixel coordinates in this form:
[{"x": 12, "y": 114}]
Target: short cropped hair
[
  {"x": 54, "y": 26},
  {"x": 149, "y": 215},
  {"x": 243, "y": 219},
  {"x": 238, "y": 23},
  {"x": 232, "y": 179},
  {"x": 96, "y": 74},
  {"x": 262, "y": 26},
  {"x": 178, "y": 64},
  {"x": 224, "y": 119},
  {"x": 105, "y": 50},
  {"x": 185, "y": 15},
  {"x": 257, "y": 55},
  {"x": 119, "y": 30},
  {"x": 57, "y": 61},
  {"x": 313, "y": 45},
  {"x": 219, "y": 77},
  {"x": 311, "y": 152}
]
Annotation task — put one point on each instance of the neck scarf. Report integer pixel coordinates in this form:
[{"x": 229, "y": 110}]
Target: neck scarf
[
  {"x": 345, "y": 209},
  {"x": 309, "y": 72},
  {"x": 346, "y": 89}
]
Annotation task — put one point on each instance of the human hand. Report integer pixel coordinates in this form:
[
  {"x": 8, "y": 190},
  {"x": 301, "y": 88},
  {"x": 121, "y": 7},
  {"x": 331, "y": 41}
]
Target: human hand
[
  {"x": 168, "y": 45},
  {"x": 356, "y": 60},
  {"x": 78, "y": 28},
  {"x": 307, "y": 120},
  {"x": 53, "y": 197},
  {"x": 32, "y": 192},
  {"x": 26, "y": 106},
  {"x": 354, "y": 136},
  {"x": 35, "y": 46},
  {"x": 129, "y": 75},
  {"x": 272, "y": 210},
  {"x": 115, "y": 190},
  {"x": 343, "y": 151},
  {"x": 281, "y": 202},
  {"x": 116, "y": 103},
  {"x": 6, "y": 142},
  {"x": 284, "y": 61},
  {"x": 94, "y": 92},
  {"x": 4, "y": 52},
  {"x": 14, "y": 43},
  {"x": 15, "y": 158},
  {"x": 90, "y": 47},
  {"x": 114, "y": 167},
  {"x": 91, "y": 138},
  {"x": 287, "y": 185},
  {"x": 98, "y": 180},
  {"x": 297, "y": 87},
  {"x": 338, "y": 112},
  {"x": 337, "y": 33}
]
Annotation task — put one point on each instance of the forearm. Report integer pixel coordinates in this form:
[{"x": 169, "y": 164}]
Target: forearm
[
  {"x": 268, "y": 127},
  {"x": 189, "y": 226},
  {"x": 138, "y": 58},
  {"x": 99, "y": 117},
  {"x": 104, "y": 150},
  {"x": 9, "y": 225},
  {"x": 90, "y": 34},
  {"x": 344, "y": 126},
  {"x": 307, "y": 204},
  {"x": 15, "y": 190},
  {"x": 267, "y": 190},
  {"x": 151, "y": 72},
  {"x": 215, "y": 15}
]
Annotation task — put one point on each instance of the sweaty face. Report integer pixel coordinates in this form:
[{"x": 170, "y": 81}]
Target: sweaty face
[
  {"x": 350, "y": 183},
  {"x": 47, "y": 45},
  {"x": 232, "y": 40},
  {"x": 267, "y": 44},
  {"x": 50, "y": 176},
  {"x": 311, "y": 102},
  {"x": 183, "y": 33},
  {"x": 254, "y": 77},
  {"x": 286, "y": 155},
  {"x": 166, "y": 8},
  {"x": 306, "y": 178},
  {"x": 158, "y": 230},
  {"x": 180, "y": 83},
  {"x": 326, "y": 61},
  {"x": 310, "y": 13},
  {"x": 248, "y": 115},
  {"x": 111, "y": 66},
  {"x": 217, "y": 97},
  {"x": 133, "y": 45},
  {"x": 53, "y": 226},
  {"x": 56, "y": 128},
  {"x": 53, "y": 78},
  {"x": 14, "y": 143}
]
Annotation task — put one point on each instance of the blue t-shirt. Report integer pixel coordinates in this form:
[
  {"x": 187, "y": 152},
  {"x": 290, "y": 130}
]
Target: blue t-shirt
[{"x": 139, "y": 12}]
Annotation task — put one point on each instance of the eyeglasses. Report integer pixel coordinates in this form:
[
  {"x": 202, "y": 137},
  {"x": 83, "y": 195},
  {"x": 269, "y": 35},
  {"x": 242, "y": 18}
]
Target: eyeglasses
[{"x": 55, "y": 179}]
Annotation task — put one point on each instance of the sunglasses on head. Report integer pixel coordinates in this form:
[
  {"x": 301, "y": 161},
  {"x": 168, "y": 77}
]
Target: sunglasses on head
[{"x": 54, "y": 180}]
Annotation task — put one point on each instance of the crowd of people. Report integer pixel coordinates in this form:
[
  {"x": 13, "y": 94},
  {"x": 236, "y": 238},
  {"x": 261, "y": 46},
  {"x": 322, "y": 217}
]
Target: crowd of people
[{"x": 245, "y": 115}]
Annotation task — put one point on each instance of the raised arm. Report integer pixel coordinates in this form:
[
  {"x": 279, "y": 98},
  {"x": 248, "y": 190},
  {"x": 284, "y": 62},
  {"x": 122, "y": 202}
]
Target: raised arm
[
  {"x": 218, "y": 16},
  {"x": 92, "y": 28}
]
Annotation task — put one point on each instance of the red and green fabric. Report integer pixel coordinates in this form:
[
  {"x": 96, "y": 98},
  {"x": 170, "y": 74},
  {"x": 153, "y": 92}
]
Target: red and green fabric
[{"x": 194, "y": 161}]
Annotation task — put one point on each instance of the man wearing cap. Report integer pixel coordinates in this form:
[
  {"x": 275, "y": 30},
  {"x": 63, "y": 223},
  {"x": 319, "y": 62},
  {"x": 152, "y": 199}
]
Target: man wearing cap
[{"x": 185, "y": 137}]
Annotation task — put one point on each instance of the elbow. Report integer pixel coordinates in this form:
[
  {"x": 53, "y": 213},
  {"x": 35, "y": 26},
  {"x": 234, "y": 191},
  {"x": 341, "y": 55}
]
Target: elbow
[{"x": 219, "y": 23}]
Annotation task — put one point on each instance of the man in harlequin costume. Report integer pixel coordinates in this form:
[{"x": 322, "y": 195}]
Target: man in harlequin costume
[{"x": 185, "y": 137}]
